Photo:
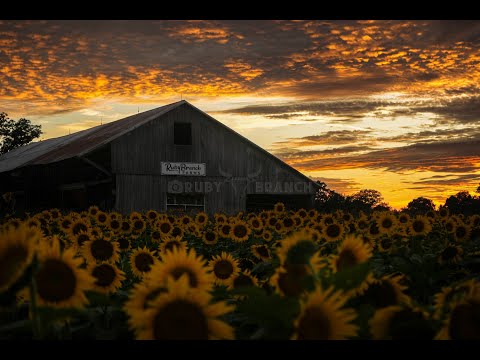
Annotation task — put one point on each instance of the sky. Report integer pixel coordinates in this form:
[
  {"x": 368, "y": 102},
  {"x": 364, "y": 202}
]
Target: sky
[{"x": 386, "y": 105}]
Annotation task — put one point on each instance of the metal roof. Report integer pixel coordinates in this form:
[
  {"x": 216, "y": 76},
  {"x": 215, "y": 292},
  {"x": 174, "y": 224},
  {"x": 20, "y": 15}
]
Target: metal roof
[{"x": 79, "y": 143}]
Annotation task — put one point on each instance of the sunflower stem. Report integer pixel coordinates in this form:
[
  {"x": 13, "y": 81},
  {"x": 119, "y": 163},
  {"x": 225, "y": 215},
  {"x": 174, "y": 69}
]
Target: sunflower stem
[{"x": 37, "y": 331}]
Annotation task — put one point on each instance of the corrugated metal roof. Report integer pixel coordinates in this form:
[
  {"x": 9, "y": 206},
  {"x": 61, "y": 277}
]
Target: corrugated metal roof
[{"x": 79, "y": 143}]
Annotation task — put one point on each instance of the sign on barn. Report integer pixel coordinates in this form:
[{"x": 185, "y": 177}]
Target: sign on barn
[{"x": 182, "y": 168}]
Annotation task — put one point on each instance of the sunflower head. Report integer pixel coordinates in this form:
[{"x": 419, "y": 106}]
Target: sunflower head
[
  {"x": 386, "y": 291},
  {"x": 210, "y": 237},
  {"x": 100, "y": 249},
  {"x": 164, "y": 227},
  {"x": 142, "y": 261},
  {"x": 201, "y": 218},
  {"x": 267, "y": 235},
  {"x": 463, "y": 322},
  {"x": 386, "y": 222},
  {"x": 108, "y": 278},
  {"x": 351, "y": 252},
  {"x": 333, "y": 231},
  {"x": 151, "y": 215},
  {"x": 279, "y": 208},
  {"x": 101, "y": 218},
  {"x": 169, "y": 244},
  {"x": 401, "y": 323},
  {"x": 451, "y": 254},
  {"x": 243, "y": 279},
  {"x": 323, "y": 317},
  {"x": 261, "y": 252},
  {"x": 224, "y": 268},
  {"x": 239, "y": 231},
  {"x": 298, "y": 248},
  {"x": 420, "y": 225},
  {"x": 461, "y": 233}
]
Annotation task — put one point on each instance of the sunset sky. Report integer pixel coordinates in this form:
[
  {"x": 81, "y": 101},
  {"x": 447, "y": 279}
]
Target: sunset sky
[{"x": 386, "y": 105}]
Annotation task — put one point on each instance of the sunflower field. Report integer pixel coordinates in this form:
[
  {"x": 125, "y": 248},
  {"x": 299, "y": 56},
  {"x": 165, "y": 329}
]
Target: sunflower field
[{"x": 276, "y": 274}]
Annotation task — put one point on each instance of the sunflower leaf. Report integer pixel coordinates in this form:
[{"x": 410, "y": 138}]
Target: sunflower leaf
[{"x": 351, "y": 277}]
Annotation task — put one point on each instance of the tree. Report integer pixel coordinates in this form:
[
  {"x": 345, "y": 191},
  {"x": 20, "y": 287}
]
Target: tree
[
  {"x": 14, "y": 134},
  {"x": 327, "y": 200},
  {"x": 420, "y": 205},
  {"x": 463, "y": 203},
  {"x": 368, "y": 197}
]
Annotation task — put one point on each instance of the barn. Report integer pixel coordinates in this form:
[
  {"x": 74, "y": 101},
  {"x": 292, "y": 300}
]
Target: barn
[{"x": 172, "y": 158}]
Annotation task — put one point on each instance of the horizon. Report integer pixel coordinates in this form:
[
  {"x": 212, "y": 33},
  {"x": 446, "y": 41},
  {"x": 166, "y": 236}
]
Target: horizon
[{"x": 370, "y": 104}]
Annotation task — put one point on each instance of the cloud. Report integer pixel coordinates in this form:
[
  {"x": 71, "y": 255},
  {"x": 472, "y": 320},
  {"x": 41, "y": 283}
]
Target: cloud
[{"x": 335, "y": 137}]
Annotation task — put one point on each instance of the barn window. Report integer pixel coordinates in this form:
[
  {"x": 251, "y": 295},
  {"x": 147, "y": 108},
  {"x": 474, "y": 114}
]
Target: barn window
[
  {"x": 182, "y": 134},
  {"x": 185, "y": 203}
]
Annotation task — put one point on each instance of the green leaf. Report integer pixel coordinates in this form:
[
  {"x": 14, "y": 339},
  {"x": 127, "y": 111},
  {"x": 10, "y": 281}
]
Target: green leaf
[{"x": 351, "y": 277}]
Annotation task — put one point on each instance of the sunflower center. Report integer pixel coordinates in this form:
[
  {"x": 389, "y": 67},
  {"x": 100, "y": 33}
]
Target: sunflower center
[
  {"x": 210, "y": 236},
  {"x": 242, "y": 280},
  {"x": 288, "y": 223},
  {"x": 115, "y": 224},
  {"x": 138, "y": 225},
  {"x": 460, "y": 232},
  {"x": 314, "y": 325},
  {"x": 381, "y": 295},
  {"x": 333, "y": 230},
  {"x": 10, "y": 261},
  {"x": 179, "y": 271},
  {"x": 418, "y": 226},
  {"x": 66, "y": 224},
  {"x": 465, "y": 322},
  {"x": 374, "y": 230},
  {"x": 102, "y": 218},
  {"x": 449, "y": 253},
  {"x": 386, "y": 243},
  {"x": 165, "y": 227},
  {"x": 143, "y": 262},
  {"x": 290, "y": 282},
  {"x": 387, "y": 223},
  {"x": 125, "y": 226},
  {"x": 56, "y": 281},
  {"x": 240, "y": 231},
  {"x": 256, "y": 224},
  {"x": 346, "y": 259},
  {"x": 403, "y": 219},
  {"x": 409, "y": 325},
  {"x": 449, "y": 227},
  {"x": 263, "y": 251},
  {"x": 102, "y": 249},
  {"x": 176, "y": 231},
  {"x": 362, "y": 225},
  {"x": 223, "y": 269},
  {"x": 104, "y": 274},
  {"x": 123, "y": 243},
  {"x": 180, "y": 320},
  {"x": 79, "y": 227},
  {"x": 272, "y": 221},
  {"x": 201, "y": 219},
  {"x": 82, "y": 238},
  {"x": 172, "y": 245}
]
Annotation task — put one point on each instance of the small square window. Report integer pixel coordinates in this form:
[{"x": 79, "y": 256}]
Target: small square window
[{"x": 182, "y": 134}]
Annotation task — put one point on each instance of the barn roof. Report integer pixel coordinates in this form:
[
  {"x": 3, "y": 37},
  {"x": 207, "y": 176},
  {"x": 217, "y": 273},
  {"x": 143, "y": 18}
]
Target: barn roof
[{"x": 85, "y": 141}]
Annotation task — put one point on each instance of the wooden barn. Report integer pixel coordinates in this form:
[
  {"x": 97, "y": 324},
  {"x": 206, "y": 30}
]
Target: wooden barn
[{"x": 175, "y": 157}]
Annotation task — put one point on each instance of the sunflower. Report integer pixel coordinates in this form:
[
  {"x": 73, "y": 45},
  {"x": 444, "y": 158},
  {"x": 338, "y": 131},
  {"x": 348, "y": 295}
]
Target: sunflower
[
  {"x": 17, "y": 247},
  {"x": 386, "y": 291},
  {"x": 373, "y": 230},
  {"x": 55, "y": 214},
  {"x": 327, "y": 220},
  {"x": 138, "y": 225},
  {"x": 177, "y": 231},
  {"x": 156, "y": 236},
  {"x": 255, "y": 223},
  {"x": 151, "y": 215},
  {"x": 169, "y": 244},
  {"x": 362, "y": 224},
  {"x": 420, "y": 225},
  {"x": 124, "y": 243},
  {"x": 33, "y": 223},
  {"x": 289, "y": 279},
  {"x": 100, "y": 249},
  {"x": 142, "y": 261},
  {"x": 185, "y": 220},
  {"x": 386, "y": 222},
  {"x": 449, "y": 296},
  {"x": 385, "y": 243},
  {"x": 279, "y": 229},
  {"x": 461, "y": 233},
  {"x": 243, "y": 279},
  {"x": 314, "y": 234},
  {"x": 179, "y": 262},
  {"x": 201, "y": 218},
  {"x": 78, "y": 226},
  {"x": 164, "y": 227},
  {"x": 81, "y": 239},
  {"x": 224, "y": 267},
  {"x": 451, "y": 254},
  {"x": 101, "y": 218},
  {"x": 322, "y": 317},
  {"x": 135, "y": 215},
  {"x": 261, "y": 252},
  {"x": 65, "y": 224},
  {"x": 93, "y": 210},
  {"x": 126, "y": 226},
  {"x": 463, "y": 323},
  {"x": 267, "y": 235},
  {"x": 240, "y": 231},
  {"x": 288, "y": 224},
  {"x": 220, "y": 218},
  {"x": 298, "y": 248},
  {"x": 400, "y": 323},
  {"x": 443, "y": 212},
  {"x": 333, "y": 231},
  {"x": 59, "y": 280},
  {"x": 184, "y": 314},
  {"x": 108, "y": 278},
  {"x": 403, "y": 218},
  {"x": 210, "y": 237},
  {"x": 279, "y": 208},
  {"x": 115, "y": 224},
  {"x": 351, "y": 252}
]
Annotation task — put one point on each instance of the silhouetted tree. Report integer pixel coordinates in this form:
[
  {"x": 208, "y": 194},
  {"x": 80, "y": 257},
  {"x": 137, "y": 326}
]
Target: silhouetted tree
[
  {"x": 16, "y": 133},
  {"x": 478, "y": 189},
  {"x": 463, "y": 203},
  {"x": 327, "y": 200},
  {"x": 420, "y": 205}
]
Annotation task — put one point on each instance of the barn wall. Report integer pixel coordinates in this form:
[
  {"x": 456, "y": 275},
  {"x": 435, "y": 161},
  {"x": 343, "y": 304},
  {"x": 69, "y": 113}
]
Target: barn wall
[{"x": 137, "y": 157}]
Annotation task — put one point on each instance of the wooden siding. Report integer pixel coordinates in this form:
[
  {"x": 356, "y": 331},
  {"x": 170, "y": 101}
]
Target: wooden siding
[{"x": 136, "y": 159}]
